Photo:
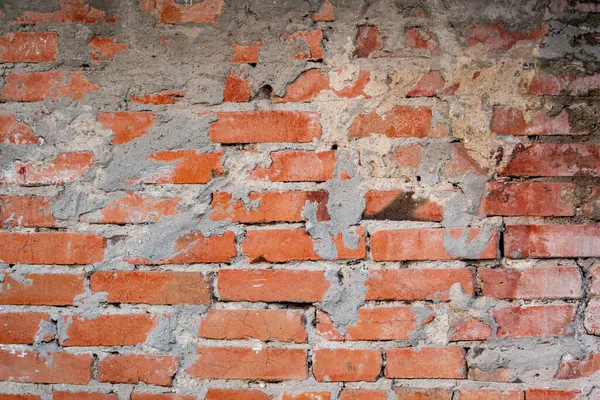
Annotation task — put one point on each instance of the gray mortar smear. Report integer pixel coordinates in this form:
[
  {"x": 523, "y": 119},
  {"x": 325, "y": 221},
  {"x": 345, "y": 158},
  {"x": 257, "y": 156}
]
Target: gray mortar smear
[
  {"x": 345, "y": 296},
  {"x": 421, "y": 314},
  {"x": 345, "y": 207}
]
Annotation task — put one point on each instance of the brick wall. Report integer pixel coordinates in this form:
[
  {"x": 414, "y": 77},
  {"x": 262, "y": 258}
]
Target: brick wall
[{"x": 242, "y": 199}]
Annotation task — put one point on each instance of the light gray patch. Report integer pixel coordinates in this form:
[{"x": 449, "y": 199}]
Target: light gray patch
[
  {"x": 73, "y": 203},
  {"x": 161, "y": 337},
  {"x": 320, "y": 232},
  {"x": 90, "y": 305},
  {"x": 462, "y": 208},
  {"x": 46, "y": 328},
  {"x": 435, "y": 155},
  {"x": 63, "y": 327},
  {"x": 422, "y": 314},
  {"x": 464, "y": 247},
  {"x": 345, "y": 296},
  {"x": 19, "y": 276}
]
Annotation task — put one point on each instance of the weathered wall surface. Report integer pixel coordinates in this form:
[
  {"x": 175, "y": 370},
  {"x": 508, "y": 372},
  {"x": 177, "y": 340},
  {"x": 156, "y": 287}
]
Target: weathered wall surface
[{"x": 246, "y": 199}]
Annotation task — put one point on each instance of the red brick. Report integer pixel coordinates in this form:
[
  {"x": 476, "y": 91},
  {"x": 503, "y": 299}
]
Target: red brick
[
  {"x": 107, "y": 330},
  {"x": 272, "y": 207},
  {"x": 22, "y": 327},
  {"x": 188, "y": 167},
  {"x": 158, "y": 98},
  {"x": 265, "y": 325},
  {"x": 534, "y": 321},
  {"x": 15, "y": 132},
  {"x": 127, "y": 125},
  {"x": 548, "y": 241},
  {"x": 488, "y": 394},
  {"x": 172, "y": 12},
  {"x": 369, "y": 41},
  {"x": 426, "y": 244},
  {"x": 135, "y": 368},
  {"x": 592, "y": 318},
  {"x": 408, "y": 156},
  {"x": 418, "y": 284},
  {"x": 16, "y": 47},
  {"x": 549, "y": 394},
  {"x": 265, "y": 127},
  {"x": 575, "y": 369},
  {"x": 401, "y": 121},
  {"x": 423, "y": 394},
  {"x": 18, "y": 396},
  {"x": 26, "y": 211},
  {"x": 40, "y": 86},
  {"x": 134, "y": 208},
  {"x": 70, "y": 11},
  {"x": 66, "y": 167},
  {"x": 33, "y": 367},
  {"x": 245, "y": 54},
  {"x": 152, "y": 287},
  {"x": 102, "y": 49},
  {"x": 51, "y": 248},
  {"x": 195, "y": 248},
  {"x": 268, "y": 364},
  {"x": 382, "y": 323},
  {"x": 235, "y": 394},
  {"x": 529, "y": 198},
  {"x": 299, "y": 286},
  {"x": 554, "y": 159},
  {"x": 461, "y": 162},
  {"x": 511, "y": 121},
  {"x": 237, "y": 89},
  {"x": 326, "y": 12},
  {"x": 282, "y": 245},
  {"x": 346, "y": 365},
  {"x": 305, "y": 87},
  {"x": 353, "y": 394},
  {"x": 417, "y": 38},
  {"x": 469, "y": 329},
  {"x": 496, "y": 37},
  {"x": 41, "y": 289},
  {"x": 545, "y": 85},
  {"x": 531, "y": 282},
  {"x": 426, "y": 363},
  {"x": 298, "y": 166},
  {"x": 400, "y": 205},
  {"x": 311, "y": 49},
  {"x": 428, "y": 85},
  {"x": 307, "y": 396},
  {"x": 162, "y": 396},
  {"x": 83, "y": 396}
]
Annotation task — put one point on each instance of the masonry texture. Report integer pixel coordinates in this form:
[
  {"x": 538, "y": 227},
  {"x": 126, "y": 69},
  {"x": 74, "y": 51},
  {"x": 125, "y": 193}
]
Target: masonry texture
[{"x": 319, "y": 199}]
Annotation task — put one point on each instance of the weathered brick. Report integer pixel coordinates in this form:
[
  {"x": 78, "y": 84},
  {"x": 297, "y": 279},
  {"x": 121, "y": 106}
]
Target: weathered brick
[
  {"x": 29, "y": 47},
  {"x": 298, "y": 166},
  {"x": 408, "y": 156},
  {"x": 15, "y": 132},
  {"x": 431, "y": 244},
  {"x": 592, "y": 317},
  {"x": 268, "y": 245},
  {"x": 265, "y": 126},
  {"x": 550, "y": 394},
  {"x": 134, "y": 368},
  {"x": 22, "y": 327},
  {"x": 418, "y": 38},
  {"x": 133, "y": 208},
  {"x": 534, "y": 321},
  {"x": 461, "y": 162},
  {"x": 103, "y": 49},
  {"x": 401, "y": 121},
  {"x": 158, "y": 98},
  {"x": 70, "y": 11},
  {"x": 299, "y": 286},
  {"x": 40, "y": 86},
  {"x": 428, "y": 85},
  {"x": 41, "y": 289},
  {"x": 326, "y": 12},
  {"x": 265, "y": 325},
  {"x": 51, "y": 248},
  {"x": 106, "y": 330},
  {"x": 529, "y": 198},
  {"x": 595, "y": 281},
  {"x": 531, "y": 282},
  {"x": 312, "y": 82},
  {"x": 357, "y": 394},
  {"x": 400, "y": 205},
  {"x": 173, "y": 12},
  {"x": 26, "y": 211},
  {"x": 575, "y": 369},
  {"x": 269, "y": 364},
  {"x": 162, "y": 396},
  {"x": 32, "y": 367},
  {"x": 18, "y": 396},
  {"x": 423, "y": 394},
  {"x": 187, "y": 167},
  {"x": 469, "y": 329},
  {"x": 83, "y": 396},
  {"x": 489, "y": 394},
  {"x": 152, "y": 287},
  {"x": 66, "y": 167},
  {"x": 306, "y": 396},
  {"x": 591, "y": 204},
  {"x": 548, "y": 241},
  {"x": 369, "y": 41},
  {"x": 346, "y": 365},
  {"x": 311, "y": 44},
  {"x": 418, "y": 284},
  {"x": 237, "y": 89},
  {"x": 127, "y": 125},
  {"x": 272, "y": 207},
  {"x": 511, "y": 121},
  {"x": 236, "y": 394},
  {"x": 382, "y": 323},
  {"x": 426, "y": 363},
  {"x": 245, "y": 54},
  {"x": 496, "y": 37},
  {"x": 554, "y": 159}
]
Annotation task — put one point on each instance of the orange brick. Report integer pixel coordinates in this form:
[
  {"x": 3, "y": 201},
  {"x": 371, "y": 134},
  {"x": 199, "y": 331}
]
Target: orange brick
[
  {"x": 346, "y": 365},
  {"x": 549, "y": 394},
  {"x": 298, "y": 166},
  {"x": 161, "y": 396},
  {"x": 269, "y": 364},
  {"x": 30, "y": 47},
  {"x": 575, "y": 369},
  {"x": 107, "y": 330},
  {"x": 418, "y": 284},
  {"x": 237, "y": 89},
  {"x": 552, "y": 241},
  {"x": 353, "y": 394},
  {"x": 311, "y": 49},
  {"x": 368, "y": 41},
  {"x": 189, "y": 167},
  {"x": 15, "y": 132},
  {"x": 102, "y": 49},
  {"x": 26, "y": 211},
  {"x": 66, "y": 167},
  {"x": 487, "y": 394},
  {"x": 511, "y": 121},
  {"x": 134, "y": 208},
  {"x": 18, "y": 396},
  {"x": 158, "y": 98},
  {"x": 235, "y": 394},
  {"x": 32, "y": 367},
  {"x": 135, "y": 368},
  {"x": 529, "y": 198},
  {"x": 41, "y": 289},
  {"x": 70, "y": 11},
  {"x": 426, "y": 363},
  {"x": 245, "y": 54},
  {"x": 265, "y": 325},
  {"x": 22, "y": 327},
  {"x": 307, "y": 396},
  {"x": 40, "y": 86},
  {"x": 428, "y": 85},
  {"x": 469, "y": 329},
  {"x": 126, "y": 125},
  {"x": 402, "y": 121},
  {"x": 534, "y": 321},
  {"x": 326, "y": 12},
  {"x": 423, "y": 394},
  {"x": 83, "y": 396},
  {"x": 172, "y": 12}
]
